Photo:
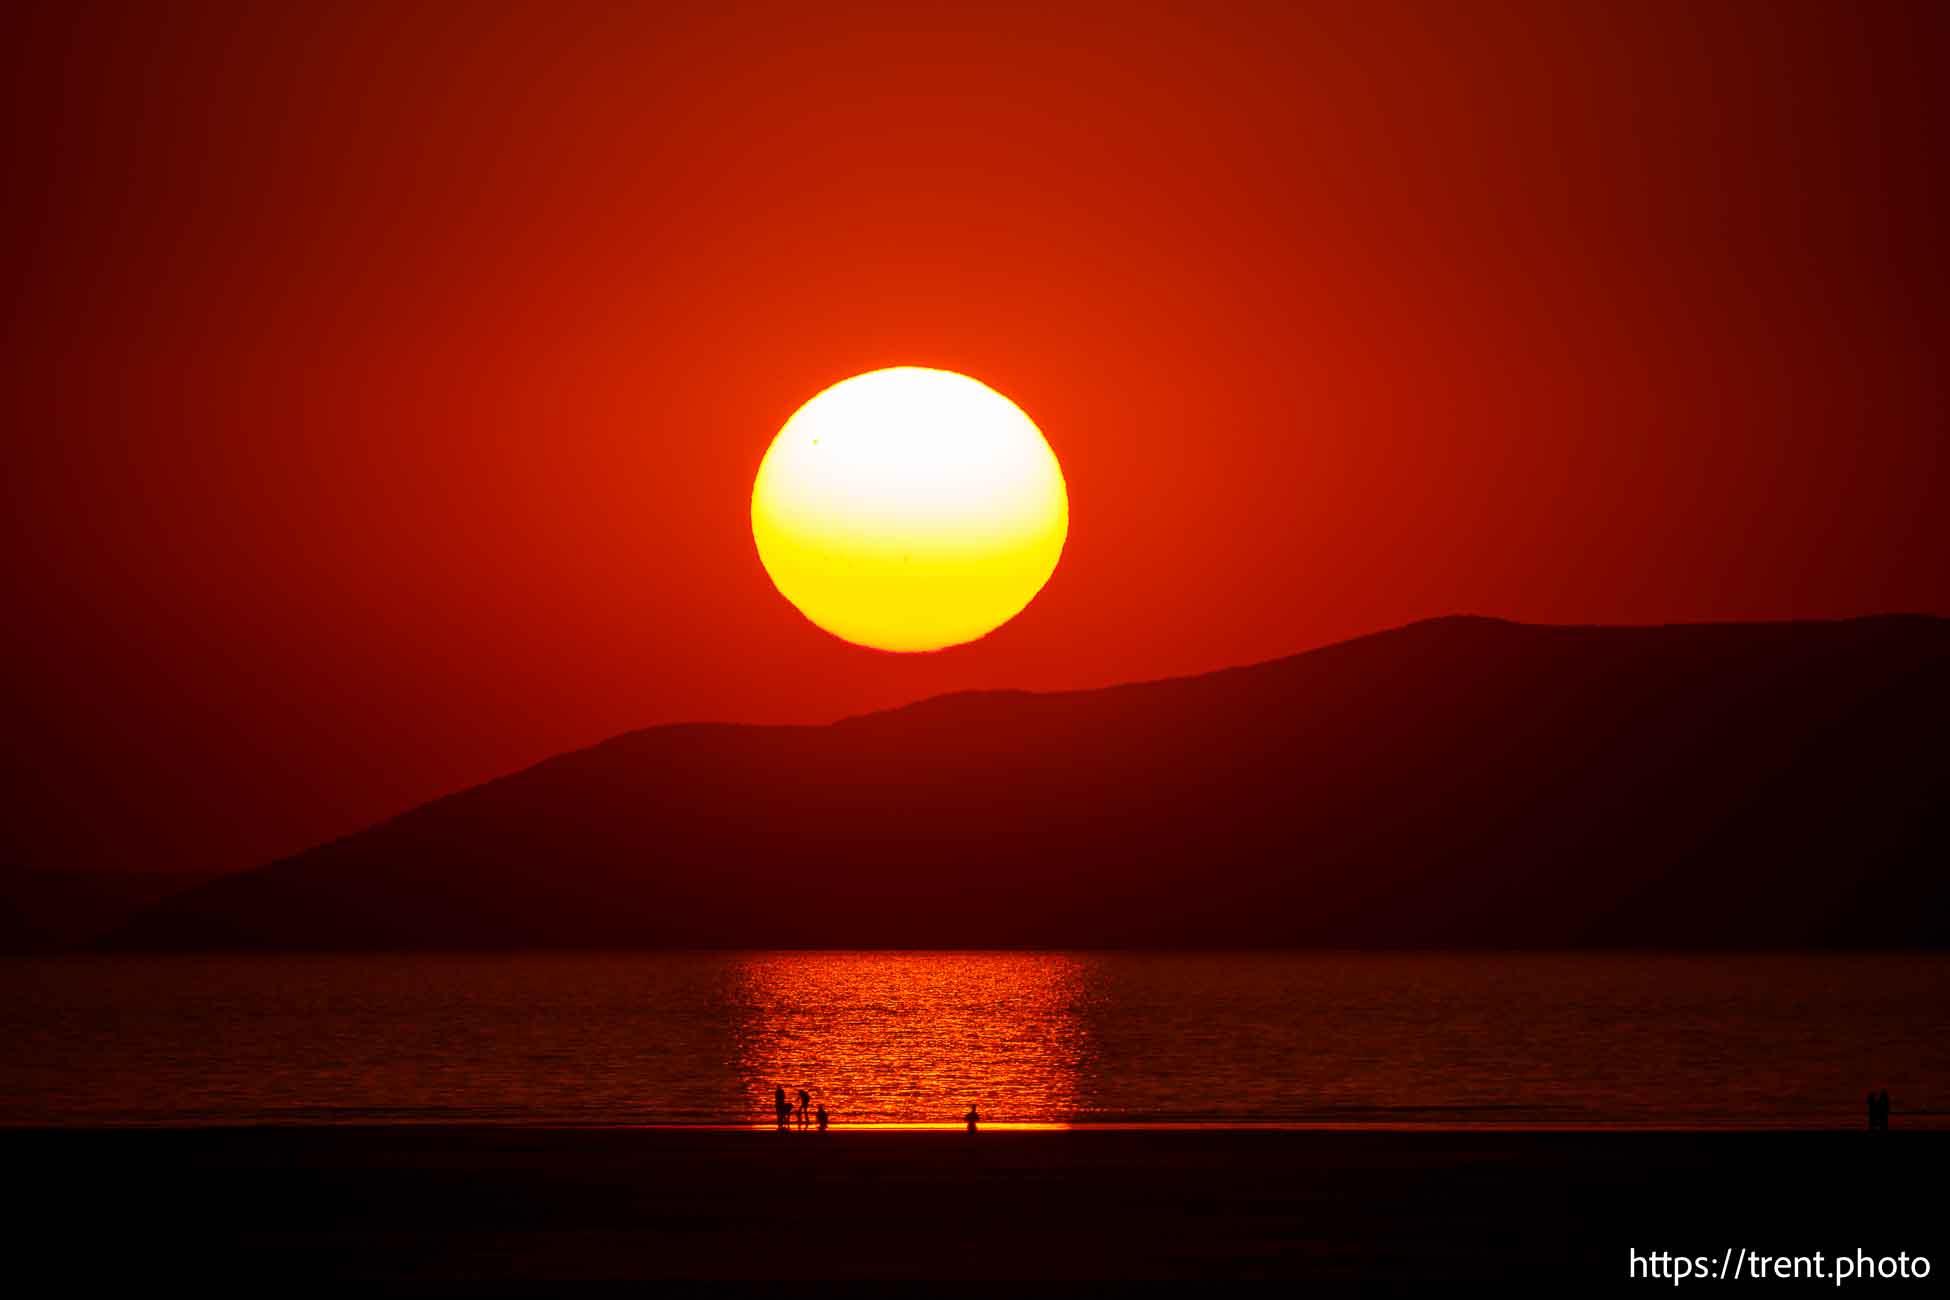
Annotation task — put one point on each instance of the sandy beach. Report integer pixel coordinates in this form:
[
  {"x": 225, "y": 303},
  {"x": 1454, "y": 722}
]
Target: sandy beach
[{"x": 434, "y": 1203}]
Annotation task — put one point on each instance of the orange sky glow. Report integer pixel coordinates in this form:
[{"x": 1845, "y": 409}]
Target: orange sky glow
[{"x": 385, "y": 389}]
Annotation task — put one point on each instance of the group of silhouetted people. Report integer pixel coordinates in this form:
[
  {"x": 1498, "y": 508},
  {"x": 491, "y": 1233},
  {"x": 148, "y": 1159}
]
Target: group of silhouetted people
[
  {"x": 1879, "y": 1111},
  {"x": 808, "y": 1113}
]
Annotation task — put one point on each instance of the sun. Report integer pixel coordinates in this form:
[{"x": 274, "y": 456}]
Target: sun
[{"x": 910, "y": 509}]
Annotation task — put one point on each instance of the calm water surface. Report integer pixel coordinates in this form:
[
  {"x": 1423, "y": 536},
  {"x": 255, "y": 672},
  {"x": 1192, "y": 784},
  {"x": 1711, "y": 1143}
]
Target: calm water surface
[{"x": 701, "y": 1038}]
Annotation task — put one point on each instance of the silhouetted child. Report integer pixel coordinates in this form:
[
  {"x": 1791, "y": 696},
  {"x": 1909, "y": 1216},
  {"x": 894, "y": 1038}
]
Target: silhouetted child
[
  {"x": 973, "y": 1118},
  {"x": 805, "y": 1108},
  {"x": 1882, "y": 1110},
  {"x": 822, "y": 1119},
  {"x": 779, "y": 1104}
]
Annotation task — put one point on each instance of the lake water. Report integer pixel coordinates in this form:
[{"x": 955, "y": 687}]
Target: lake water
[{"x": 1227, "y": 1038}]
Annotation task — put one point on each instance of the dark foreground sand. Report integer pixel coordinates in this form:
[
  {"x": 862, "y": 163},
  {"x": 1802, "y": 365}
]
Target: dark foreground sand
[{"x": 294, "y": 1205}]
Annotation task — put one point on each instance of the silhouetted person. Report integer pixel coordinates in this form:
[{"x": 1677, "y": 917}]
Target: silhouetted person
[
  {"x": 780, "y": 1105},
  {"x": 805, "y": 1108},
  {"x": 1882, "y": 1110},
  {"x": 822, "y": 1119},
  {"x": 973, "y": 1119}
]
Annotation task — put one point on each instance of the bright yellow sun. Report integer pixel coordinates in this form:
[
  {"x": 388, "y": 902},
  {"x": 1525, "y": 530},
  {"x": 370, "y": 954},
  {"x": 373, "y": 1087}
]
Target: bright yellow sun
[{"x": 909, "y": 509}]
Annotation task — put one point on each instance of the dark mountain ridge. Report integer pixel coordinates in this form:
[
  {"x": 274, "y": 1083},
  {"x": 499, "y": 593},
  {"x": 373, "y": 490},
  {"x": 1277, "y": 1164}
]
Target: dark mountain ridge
[{"x": 1457, "y": 782}]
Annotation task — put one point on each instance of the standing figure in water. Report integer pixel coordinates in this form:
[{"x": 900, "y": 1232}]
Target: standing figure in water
[
  {"x": 972, "y": 1118},
  {"x": 822, "y": 1118},
  {"x": 805, "y": 1108},
  {"x": 780, "y": 1105}
]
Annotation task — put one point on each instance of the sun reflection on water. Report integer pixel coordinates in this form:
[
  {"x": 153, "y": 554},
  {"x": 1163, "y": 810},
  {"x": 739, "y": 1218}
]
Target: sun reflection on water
[{"x": 911, "y": 1038}]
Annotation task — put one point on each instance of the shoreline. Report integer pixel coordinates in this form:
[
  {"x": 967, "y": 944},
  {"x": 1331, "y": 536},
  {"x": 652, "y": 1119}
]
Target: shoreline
[
  {"x": 444, "y": 1202},
  {"x": 1940, "y": 1124},
  {"x": 1910, "y": 1122}
]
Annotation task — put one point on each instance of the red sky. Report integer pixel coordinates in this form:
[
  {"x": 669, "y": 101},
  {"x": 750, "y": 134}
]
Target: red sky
[{"x": 383, "y": 390}]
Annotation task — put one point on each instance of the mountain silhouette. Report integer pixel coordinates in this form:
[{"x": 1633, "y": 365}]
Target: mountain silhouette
[{"x": 1458, "y": 782}]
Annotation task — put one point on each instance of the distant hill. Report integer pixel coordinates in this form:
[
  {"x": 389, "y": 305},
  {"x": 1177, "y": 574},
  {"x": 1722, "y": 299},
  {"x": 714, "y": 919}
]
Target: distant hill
[
  {"x": 1461, "y": 782},
  {"x": 55, "y": 911}
]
